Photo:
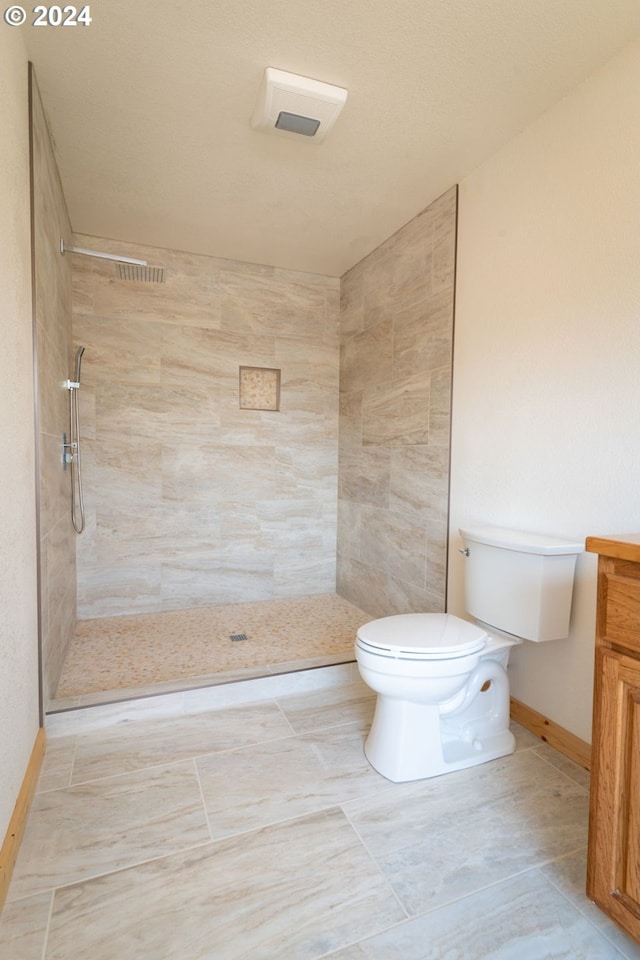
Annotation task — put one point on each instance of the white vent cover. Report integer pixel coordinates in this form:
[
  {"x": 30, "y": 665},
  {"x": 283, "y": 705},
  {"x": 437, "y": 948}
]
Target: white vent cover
[{"x": 296, "y": 106}]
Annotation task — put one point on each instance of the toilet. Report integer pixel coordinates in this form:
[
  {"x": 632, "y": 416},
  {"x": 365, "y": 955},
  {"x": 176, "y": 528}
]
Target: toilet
[{"x": 441, "y": 681}]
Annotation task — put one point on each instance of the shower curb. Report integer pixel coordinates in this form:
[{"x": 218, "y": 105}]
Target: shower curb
[{"x": 85, "y": 717}]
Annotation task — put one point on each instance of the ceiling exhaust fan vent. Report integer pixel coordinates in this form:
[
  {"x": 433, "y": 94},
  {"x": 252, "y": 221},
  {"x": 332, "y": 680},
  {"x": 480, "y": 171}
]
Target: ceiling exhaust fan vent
[{"x": 297, "y": 106}]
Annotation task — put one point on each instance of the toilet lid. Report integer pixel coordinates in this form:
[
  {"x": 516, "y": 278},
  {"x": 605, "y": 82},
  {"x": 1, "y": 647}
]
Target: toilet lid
[{"x": 422, "y": 636}]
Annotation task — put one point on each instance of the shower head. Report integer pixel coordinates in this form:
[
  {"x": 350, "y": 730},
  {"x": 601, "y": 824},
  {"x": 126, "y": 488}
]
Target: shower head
[
  {"x": 140, "y": 274},
  {"x": 79, "y": 353}
]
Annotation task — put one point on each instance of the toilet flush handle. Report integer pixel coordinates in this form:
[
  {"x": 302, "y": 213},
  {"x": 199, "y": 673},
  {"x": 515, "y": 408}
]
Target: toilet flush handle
[{"x": 464, "y": 550}]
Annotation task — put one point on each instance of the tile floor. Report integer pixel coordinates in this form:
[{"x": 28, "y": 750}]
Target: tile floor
[
  {"x": 258, "y": 830},
  {"x": 117, "y": 658}
]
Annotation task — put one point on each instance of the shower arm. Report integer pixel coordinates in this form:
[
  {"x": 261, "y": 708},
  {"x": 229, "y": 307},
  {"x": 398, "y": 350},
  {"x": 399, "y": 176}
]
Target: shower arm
[{"x": 99, "y": 255}]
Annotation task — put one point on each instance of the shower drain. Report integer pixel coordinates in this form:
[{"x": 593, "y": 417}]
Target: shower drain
[{"x": 238, "y": 636}]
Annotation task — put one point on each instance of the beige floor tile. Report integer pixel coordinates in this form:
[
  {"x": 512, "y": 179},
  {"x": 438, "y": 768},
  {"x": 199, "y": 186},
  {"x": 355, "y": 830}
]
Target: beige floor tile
[
  {"x": 23, "y": 927},
  {"x": 524, "y": 738},
  {"x": 568, "y": 767},
  {"x": 443, "y": 839},
  {"x": 296, "y": 890},
  {"x": 524, "y": 918},
  {"x": 126, "y": 747},
  {"x": 87, "y": 830},
  {"x": 250, "y": 788},
  {"x": 569, "y": 875},
  {"x": 328, "y": 708},
  {"x": 488, "y": 862},
  {"x": 57, "y": 764}
]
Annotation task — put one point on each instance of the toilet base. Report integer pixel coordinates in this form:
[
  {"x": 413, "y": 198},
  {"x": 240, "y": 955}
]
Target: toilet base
[{"x": 406, "y": 742}]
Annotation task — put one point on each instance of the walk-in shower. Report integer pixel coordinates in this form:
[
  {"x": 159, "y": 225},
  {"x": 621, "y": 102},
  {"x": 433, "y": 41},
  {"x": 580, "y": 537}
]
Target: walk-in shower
[
  {"x": 170, "y": 574},
  {"x": 72, "y": 447}
]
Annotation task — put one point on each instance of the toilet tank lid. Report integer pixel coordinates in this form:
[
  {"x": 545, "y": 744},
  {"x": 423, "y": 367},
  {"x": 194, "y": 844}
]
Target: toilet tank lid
[{"x": 521, "y": 541}]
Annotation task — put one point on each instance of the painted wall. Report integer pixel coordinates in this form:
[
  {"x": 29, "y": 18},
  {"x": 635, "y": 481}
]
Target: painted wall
[
  {"x": 395, "y": 378},
  {"x": 55, "y": 365},
  {"x": 191, "y": 500},
  {"x": 546, "y": 402},
  {"x": 19, "y": 714}
]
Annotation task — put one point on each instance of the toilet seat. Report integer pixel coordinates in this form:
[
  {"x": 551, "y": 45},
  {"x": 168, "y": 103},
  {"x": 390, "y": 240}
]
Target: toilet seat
[{"x": 421, "y": 636}]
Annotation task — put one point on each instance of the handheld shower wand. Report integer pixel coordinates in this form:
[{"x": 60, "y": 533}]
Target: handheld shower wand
[{"x": 79, "y": 353}]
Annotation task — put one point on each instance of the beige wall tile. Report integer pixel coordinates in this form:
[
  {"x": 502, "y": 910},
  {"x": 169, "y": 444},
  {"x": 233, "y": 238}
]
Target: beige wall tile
[
  {"x": 109, "y": 589},
  {"x": 55, "y": 352},
  {"x": 419, "y": 481},
  {"x": 364, "y": 585},
  {"x": 352, "y": 302},
  {"x": 440, "y": 406},
  {"x": 395, "y": 382},
  {"x": 437, "y": 557},
  {"x": 405, "y": 597},
  {"x": 56, "y": 640},
  {"x": 117, "y": 350},
  {"x": 349, "y": 524},
  {"x": 364, "y": 475},
  {"x": 395, "y": 544},
  {"x": 396, "y": 413},
  {"x": 271, "y": 304},
  {"x": 350, "y": 434},
  {"x": 230, "y": 577},
  {"x": 366, "y": 358},
  {"x": 422, "y": 339},
  {"x": 187, "y": 297},
  {"x": 209, "y": 473},
  {"x": 179, "y": 480},
  {"x": 211, "y": 358}
]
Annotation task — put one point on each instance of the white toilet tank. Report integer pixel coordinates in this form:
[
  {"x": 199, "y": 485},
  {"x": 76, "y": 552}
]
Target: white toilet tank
[{"x": 520, "y": 583}]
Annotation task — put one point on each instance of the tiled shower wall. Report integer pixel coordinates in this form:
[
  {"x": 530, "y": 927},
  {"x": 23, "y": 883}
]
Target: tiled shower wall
[
  {"x": 395, "y": 386},
  {"x": 54, "y": 353},
  {"x": 190, "y": 500}
]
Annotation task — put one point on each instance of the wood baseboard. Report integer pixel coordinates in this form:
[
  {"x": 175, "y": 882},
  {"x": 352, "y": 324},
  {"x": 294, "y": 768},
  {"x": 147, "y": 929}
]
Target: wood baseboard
[
  {"x": 564, "y": 742},
  {"x": 13, "y": 838}
]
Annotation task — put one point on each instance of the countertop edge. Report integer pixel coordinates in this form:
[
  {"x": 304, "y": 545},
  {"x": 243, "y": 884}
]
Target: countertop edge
[{"x": 620, "y": 546}]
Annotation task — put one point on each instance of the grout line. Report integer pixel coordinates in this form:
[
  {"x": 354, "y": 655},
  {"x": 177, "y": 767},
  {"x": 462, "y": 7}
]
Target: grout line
[
  {"x": 73, "y": 761},
  {"x": 204, "y": 804},
  {"x": 563, "y": 773},
  {"x": 161, "y": 764},
  {"x": 47, "y": 928},
  {"x": 292, "y": 735},
  {"x": 602, "y": 930},
  {"x": 276, "y": 700},
  {"x": 373, "y": 858},
  {"x": 112, "y": 871},
  {"x": 196, "y": 846}
]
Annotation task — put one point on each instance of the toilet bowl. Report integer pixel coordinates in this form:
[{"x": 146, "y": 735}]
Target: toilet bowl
[{"x": 443, "y": 694}]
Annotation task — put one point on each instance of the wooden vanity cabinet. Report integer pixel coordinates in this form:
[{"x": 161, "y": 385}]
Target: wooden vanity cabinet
[{"x": 613, "y": 867}]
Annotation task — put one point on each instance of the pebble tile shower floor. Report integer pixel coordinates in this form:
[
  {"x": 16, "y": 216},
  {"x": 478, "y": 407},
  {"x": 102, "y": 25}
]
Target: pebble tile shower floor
[
  {"x": 260, "y": 832},
  {"x": 138, "y": 652}
]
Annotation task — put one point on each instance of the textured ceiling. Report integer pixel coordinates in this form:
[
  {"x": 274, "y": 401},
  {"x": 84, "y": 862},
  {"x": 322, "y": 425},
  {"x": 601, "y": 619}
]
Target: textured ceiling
[{"x": 150, "y": 111}]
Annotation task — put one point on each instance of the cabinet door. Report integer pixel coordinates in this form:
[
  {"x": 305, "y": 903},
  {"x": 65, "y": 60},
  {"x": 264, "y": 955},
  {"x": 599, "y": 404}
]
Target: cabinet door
[{"x": 613, "y": 878}]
